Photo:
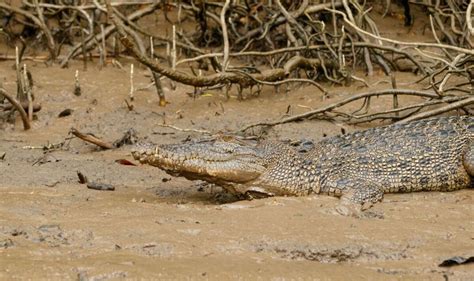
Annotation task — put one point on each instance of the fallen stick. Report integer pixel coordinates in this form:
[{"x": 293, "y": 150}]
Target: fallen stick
[
  {"x": 185, "y": 129},
  {"x": 36, "y": 107},
  {"x": 92, "y": 139}
]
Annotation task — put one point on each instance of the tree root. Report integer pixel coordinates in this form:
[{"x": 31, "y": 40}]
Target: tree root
[{"x": 19, "y": 107}]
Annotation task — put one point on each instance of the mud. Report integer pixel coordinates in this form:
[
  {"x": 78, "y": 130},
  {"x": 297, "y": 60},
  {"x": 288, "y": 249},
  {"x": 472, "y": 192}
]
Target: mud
[{"x": 154, "y": 226}]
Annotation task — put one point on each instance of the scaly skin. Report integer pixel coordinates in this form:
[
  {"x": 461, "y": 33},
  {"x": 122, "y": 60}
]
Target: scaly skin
[{"x": 434, "y": 154}]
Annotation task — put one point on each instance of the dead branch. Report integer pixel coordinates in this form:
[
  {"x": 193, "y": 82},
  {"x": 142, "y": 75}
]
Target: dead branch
[
  {"x": 185, "y": 129},
  {"x": 159, "y": 88},
  {"x": 469, "y": 17},
  {"x": 440, "y": 110},
  {"x": 92, "y": 139},
  {"x": 36, "y": 107},
  {"x": 387, "y": 114},
  {"x": 326, "y": 109},
  {"x": 225, "y": 37}
]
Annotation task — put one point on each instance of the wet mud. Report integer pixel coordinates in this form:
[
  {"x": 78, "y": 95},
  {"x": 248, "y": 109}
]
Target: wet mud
[{"x": 154, "y": 226}]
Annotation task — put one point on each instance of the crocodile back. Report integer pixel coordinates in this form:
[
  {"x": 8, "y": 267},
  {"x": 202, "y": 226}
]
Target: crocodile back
[{"x": 420, "y": 155}]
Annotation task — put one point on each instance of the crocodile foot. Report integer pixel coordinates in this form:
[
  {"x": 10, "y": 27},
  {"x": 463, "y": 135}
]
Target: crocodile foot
[{"x": 356, "y": 210}]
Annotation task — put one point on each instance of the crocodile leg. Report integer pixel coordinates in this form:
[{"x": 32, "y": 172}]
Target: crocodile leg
[
  {"x": 468, "y": 160},
  {"x": 357, "y": 194},
  {"x": 257, "y": 193}
]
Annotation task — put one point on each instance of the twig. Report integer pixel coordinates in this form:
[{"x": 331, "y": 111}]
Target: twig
[
  {"x": 173, "y": 56},
  {"x": 440, "y": 110},
  {"x": 225, "y": 36},
  {"x": 328, "y": 108},
  {"x": 132, "y": 89},
  {"x": 291, "y": 20},
  {"x": 83, "y": 49},
  {"x": 104, "y": 47},
  {"x": 377, "y": 115},
  {"x": 39, "y": 58},
  {"x": 159, "y": 88},
  {"x": 285, "y": 81},
  {"x": 20, "y": 94},
  {"x": 469, "y": 17},
  {"x": 92, "y": 40},
  {"x": 309, "y": 48},
  {"x": 413, "y": 44},
  {"x": 9, "y": 106},
  {"x": 91, "y": 138},
  {"x": 395, "y": 97},
  {"x": 152, "y": 47},
  {"x": 28, "y": 93},
  {"x": 77, "y": 85},
  {"x": 185, "y": 130}
]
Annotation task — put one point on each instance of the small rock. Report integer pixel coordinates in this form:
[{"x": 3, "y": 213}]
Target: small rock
[
  {"x": 82, "y": 178},
  {"x": 100, "y": 186},
  {"x": 65, "y": 112}
]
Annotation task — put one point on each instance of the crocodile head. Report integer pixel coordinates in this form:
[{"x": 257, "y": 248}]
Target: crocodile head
[
  {"x": 265, "y": 169},
  {"x": 231, "y": 165}
]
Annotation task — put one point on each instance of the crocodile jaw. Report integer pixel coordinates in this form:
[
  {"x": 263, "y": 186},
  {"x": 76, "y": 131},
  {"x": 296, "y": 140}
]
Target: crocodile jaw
[{"x": 221, "y": 163}]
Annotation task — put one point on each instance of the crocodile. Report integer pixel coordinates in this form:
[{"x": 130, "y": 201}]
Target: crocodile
[{"x": 435, "y": 154}]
